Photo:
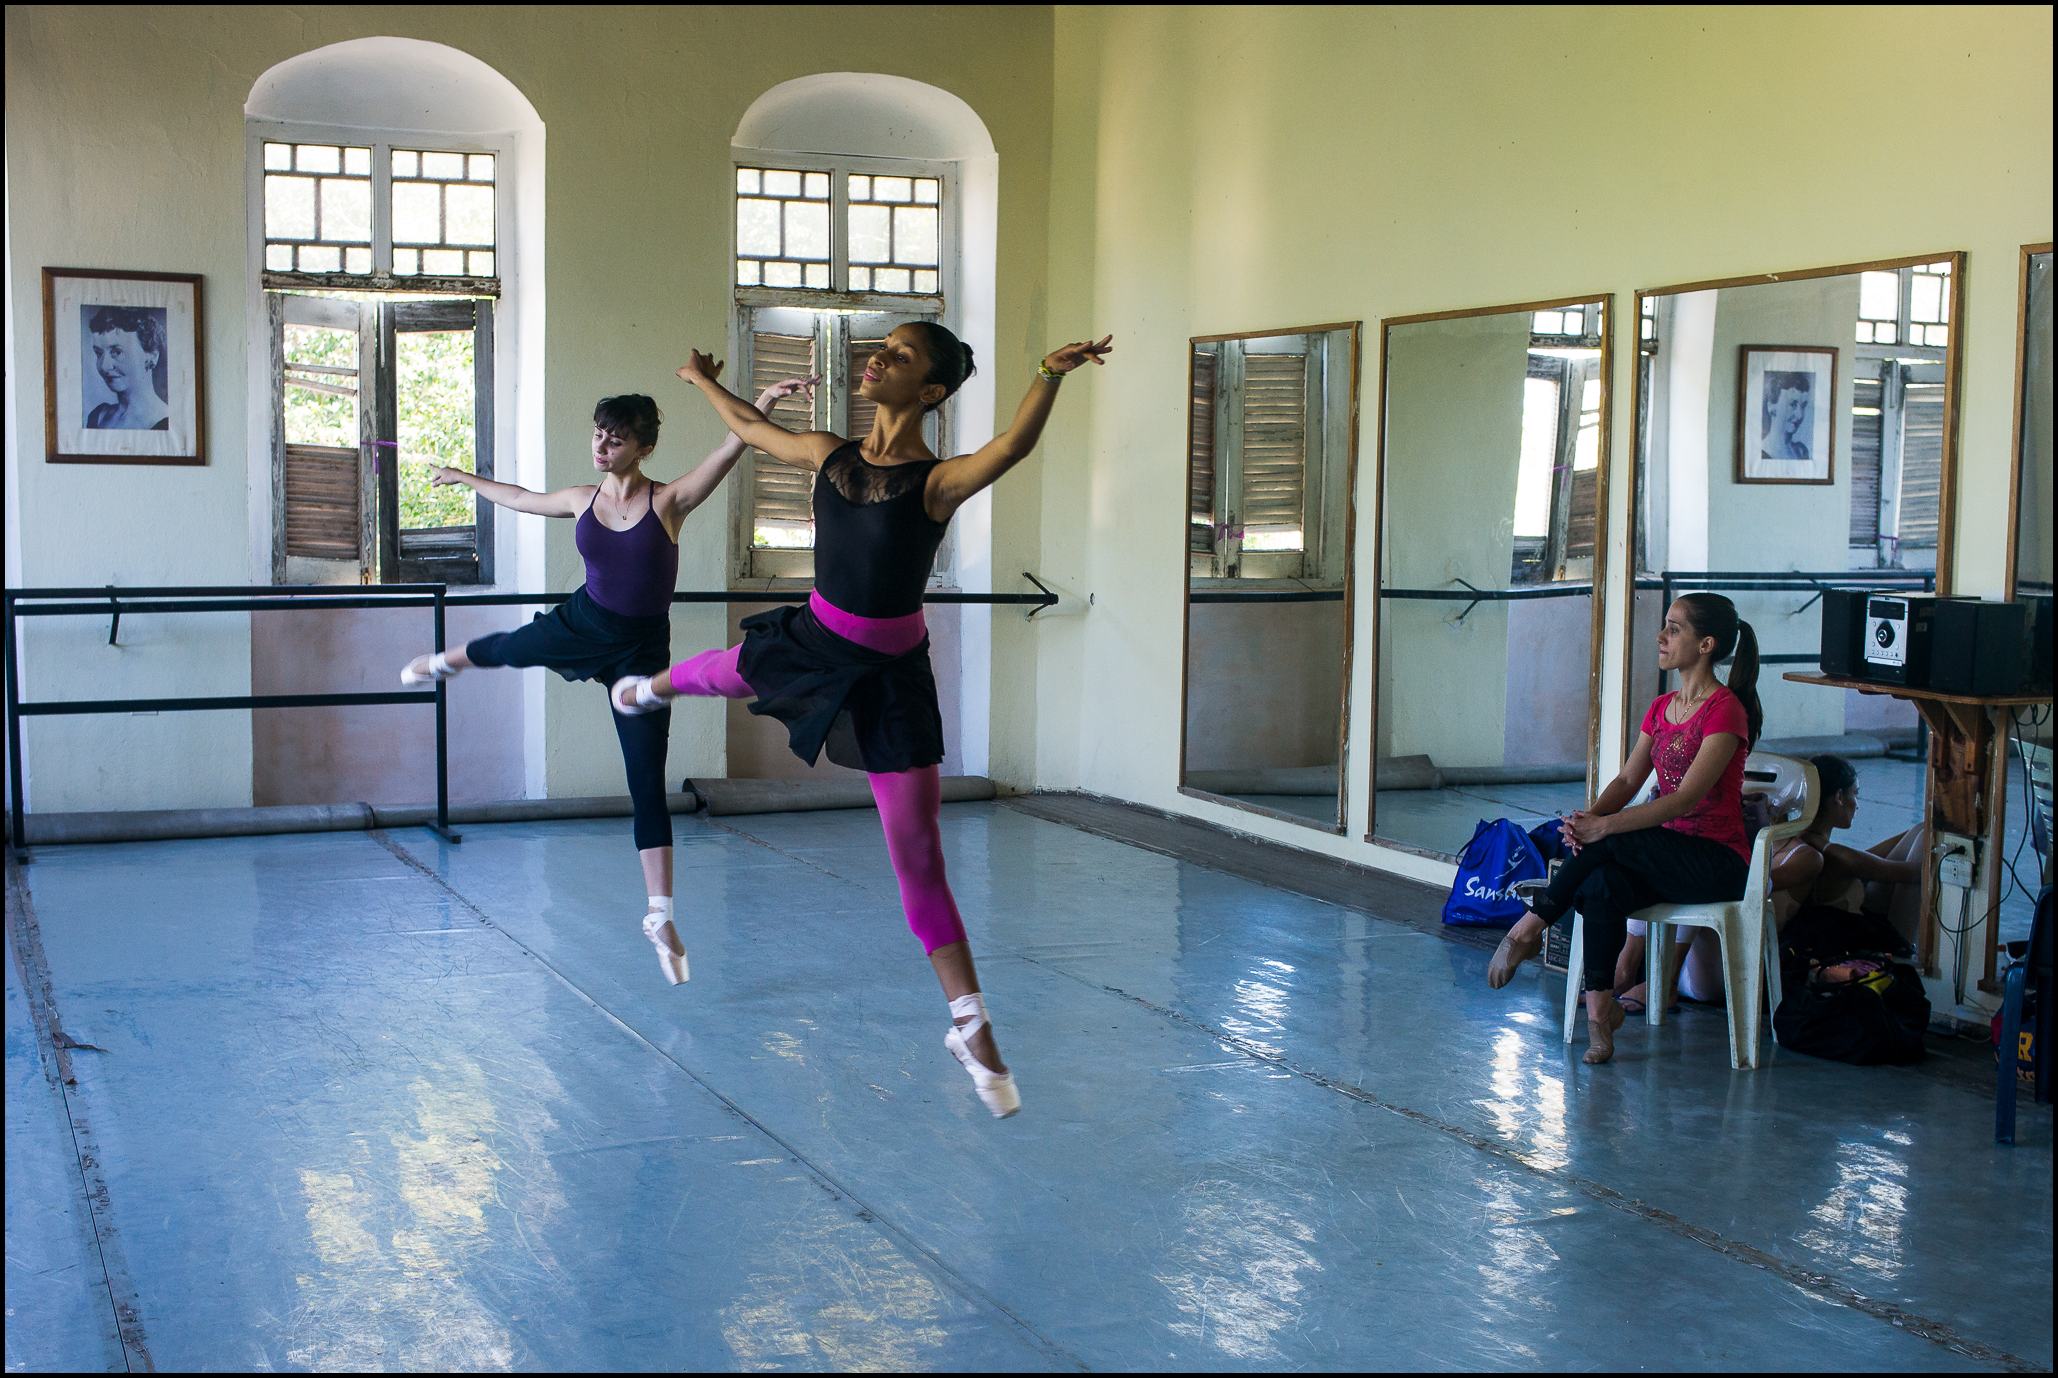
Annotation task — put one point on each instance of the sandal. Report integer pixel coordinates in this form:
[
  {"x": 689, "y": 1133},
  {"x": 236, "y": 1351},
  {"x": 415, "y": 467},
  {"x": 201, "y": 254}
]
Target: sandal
[{"x": 996, "y": 1089}]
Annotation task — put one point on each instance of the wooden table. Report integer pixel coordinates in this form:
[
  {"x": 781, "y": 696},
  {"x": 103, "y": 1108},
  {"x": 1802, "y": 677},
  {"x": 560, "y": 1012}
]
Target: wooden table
[{"x": 1967, "y": 794}]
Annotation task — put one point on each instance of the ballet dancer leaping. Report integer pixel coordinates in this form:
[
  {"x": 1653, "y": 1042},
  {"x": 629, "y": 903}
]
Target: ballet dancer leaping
[
  {"x": 619, "y": 621},
  {"x": 849, "y": 670}
]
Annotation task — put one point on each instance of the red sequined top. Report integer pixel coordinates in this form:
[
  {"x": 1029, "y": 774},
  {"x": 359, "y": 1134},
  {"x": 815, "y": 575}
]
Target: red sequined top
[{"x": 1719, "y": 816}]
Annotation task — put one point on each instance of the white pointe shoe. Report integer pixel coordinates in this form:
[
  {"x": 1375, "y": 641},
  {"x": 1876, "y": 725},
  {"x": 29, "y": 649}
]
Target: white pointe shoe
[
  {"x": 671, "y": 953},
  {"x": 997, "y": 1089},
  {"x": 642, "y": 698},
  {"x": 436, "y": 668}
]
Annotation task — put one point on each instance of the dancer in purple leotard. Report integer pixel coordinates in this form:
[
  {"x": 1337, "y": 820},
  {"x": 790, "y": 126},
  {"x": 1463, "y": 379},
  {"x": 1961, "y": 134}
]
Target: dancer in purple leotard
[{"x": 849, "y": 671}]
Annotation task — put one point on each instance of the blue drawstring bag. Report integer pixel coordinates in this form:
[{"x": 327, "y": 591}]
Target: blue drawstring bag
[{"x": 1483, "y": 895}]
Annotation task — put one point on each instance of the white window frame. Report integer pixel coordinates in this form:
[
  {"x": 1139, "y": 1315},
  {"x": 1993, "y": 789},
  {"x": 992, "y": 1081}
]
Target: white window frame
[
  {"x": 748, "y": 563},
  {"x": 501, "y": 288}
]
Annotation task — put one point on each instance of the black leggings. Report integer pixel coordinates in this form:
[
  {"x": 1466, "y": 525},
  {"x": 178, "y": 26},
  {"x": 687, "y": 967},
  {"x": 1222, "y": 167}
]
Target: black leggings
[
  {"x": 1613, "y": 878},
  {"x": 582, "y": 640}
]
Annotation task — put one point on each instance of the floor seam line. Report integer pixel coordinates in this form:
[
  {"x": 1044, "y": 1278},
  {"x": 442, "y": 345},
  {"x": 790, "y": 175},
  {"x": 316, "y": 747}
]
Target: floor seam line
[
  {"x": 866, "y": 1212},
  {"x": 1823, "y": 1285},
  {"x": 38, "y": 990}
]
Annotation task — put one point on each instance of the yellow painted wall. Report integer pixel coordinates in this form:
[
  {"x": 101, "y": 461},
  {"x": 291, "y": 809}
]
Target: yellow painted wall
[
  {"x": 125, "y": 150},
  {"x": 1219, "y": 169}
]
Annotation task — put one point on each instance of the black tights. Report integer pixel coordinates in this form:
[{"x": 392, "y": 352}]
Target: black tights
[
  {"x": 1611, "y": 879},
  {"x": 644, "y": 740}
]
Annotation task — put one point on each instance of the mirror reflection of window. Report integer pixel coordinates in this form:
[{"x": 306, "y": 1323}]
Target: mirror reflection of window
[
  {"x": 1269, "y": 454},
  {"x": 2033, "y": 493},
  {"x": 1492, "y": 440}
]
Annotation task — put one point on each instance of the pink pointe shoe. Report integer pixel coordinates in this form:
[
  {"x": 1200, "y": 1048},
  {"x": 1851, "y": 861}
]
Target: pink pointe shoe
[
  {"x": 671, "y": 953},
  {"x": 996, "y": 1089}
]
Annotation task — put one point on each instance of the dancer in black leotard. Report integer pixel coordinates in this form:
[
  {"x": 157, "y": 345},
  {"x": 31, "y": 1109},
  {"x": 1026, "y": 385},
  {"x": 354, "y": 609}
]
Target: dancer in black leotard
[
  {"x": 619, "y": 622},
  {"x": 849, "y": 671}
]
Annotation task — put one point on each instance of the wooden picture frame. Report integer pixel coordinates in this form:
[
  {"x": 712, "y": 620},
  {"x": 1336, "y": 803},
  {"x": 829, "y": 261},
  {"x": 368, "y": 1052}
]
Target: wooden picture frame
[
  {"x": 1786, "y": 410},
  {"x": 124, "y": 367}
]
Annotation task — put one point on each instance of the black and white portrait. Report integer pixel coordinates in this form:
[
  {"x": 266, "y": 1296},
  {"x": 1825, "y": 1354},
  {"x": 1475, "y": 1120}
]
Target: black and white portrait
[
  {"x": 122, "y": 367},
  {"x": 1786, "y": 409},
  {"x": 127, "y": 369}
]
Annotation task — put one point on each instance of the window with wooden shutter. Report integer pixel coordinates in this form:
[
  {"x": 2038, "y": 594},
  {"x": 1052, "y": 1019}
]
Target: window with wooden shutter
[
  {"x": 322, "y": 366},
  {"x": 1200, "y": 444},
  {"x": 1275, "y": 451},
  {"x": 781, "y": 505},
  {"x": 1866, "y": 431},
  {"x": 1922, "y": 462}
]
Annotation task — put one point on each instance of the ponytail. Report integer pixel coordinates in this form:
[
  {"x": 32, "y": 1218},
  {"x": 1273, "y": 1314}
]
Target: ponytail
[
  {"x": 1714, "y": 616},
  {"x": 1743, "y": 678}
]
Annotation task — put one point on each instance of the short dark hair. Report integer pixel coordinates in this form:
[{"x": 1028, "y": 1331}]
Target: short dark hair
[
  {"x": 1834, "y": 772},
  {"x": 146, "y": 323},
  {"x": 950, "y": 358},
  {"x": 631, "y": 414}
]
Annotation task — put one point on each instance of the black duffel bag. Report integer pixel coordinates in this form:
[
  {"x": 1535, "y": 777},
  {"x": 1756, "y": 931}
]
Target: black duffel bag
[{"x": 1846, "y": 997}]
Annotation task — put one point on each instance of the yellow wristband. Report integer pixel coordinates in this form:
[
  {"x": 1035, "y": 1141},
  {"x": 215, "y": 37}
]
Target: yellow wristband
[{"x": 1046, "y": 371}]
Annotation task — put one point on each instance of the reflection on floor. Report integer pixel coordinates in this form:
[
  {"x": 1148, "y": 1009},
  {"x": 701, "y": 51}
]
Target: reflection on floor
[
  {"x": 1889, "y": 801},
  {"x": 438, "y": 1104}
]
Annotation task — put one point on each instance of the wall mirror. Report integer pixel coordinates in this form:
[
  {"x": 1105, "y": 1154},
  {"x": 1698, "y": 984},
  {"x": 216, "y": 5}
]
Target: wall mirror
[
  {"x": 2029, "y": 564},
  {"x": 1271, "y": 461},
  {"x": 1493, "y": 502},
  {"x": 1794, "y": 432}
]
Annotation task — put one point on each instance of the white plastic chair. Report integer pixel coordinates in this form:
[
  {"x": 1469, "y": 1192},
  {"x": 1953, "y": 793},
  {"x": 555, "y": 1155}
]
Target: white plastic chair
[{"x": 1746, "y": 927}]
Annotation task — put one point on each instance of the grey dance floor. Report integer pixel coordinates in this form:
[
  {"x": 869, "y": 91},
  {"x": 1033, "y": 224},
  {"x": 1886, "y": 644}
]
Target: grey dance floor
[{"x": 374, "y": 1101}]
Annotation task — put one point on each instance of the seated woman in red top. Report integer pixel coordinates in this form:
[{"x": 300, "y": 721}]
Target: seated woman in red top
[{"x": 1687, "y": 845}]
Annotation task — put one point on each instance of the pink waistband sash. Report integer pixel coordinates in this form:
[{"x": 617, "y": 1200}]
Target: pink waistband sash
[{"x": 887, "y": 635}]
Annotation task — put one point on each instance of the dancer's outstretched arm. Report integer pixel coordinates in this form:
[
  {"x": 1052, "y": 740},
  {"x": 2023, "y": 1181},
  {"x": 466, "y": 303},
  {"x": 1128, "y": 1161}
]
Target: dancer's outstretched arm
[
  {"x": 564, "y": 502},
  {"x": 801, "y": 449},
  {"x": 688, "y": 491},
  {"x": 956, "y": 480}
]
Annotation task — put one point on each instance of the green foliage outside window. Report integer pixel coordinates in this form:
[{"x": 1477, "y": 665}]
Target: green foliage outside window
[{"x": 434, "y": 397}]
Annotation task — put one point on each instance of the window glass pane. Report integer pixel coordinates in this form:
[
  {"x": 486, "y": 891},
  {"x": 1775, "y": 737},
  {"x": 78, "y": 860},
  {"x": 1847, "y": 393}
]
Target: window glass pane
[
  {"x": 782, "y": 183},
  {"x": 860, "y": 279},
  {"x": 757, "y": 227},
  {"x": 443, "y": 262},
  {"x": 318, "y": 158},
  {"x": 357, "y": 260},
  {"x": 782, "y": 274},
  {"x": 892, "y": 189},
  {"x": 925, "y": 280},
  {"x": 288, "y": 207},
  {"x": 890, "y": 280},
  {"x": 928, "y": 190},
  {"x": 807, "y": 229},
  {"x": 406, "y": 262},
  {"x": 1884, "y": 334},
  {"x": 434, "y": 409},
  {"x": 1864, "y": 332},
  {"x": 860, "y": 188},
  {"x": 406, "y": 163},
  {"x": 320, "y": 258},
  {"x": 1926, "y": 298},
  {"x": 321, "y": 405},
  {"x": 818, "y": 185},
  {"x": 746, "y": 179},
  {"x": 278, "y": 157},
  {"x": 481, "y": 261},
  {"x": 279, "y": 257},
  {"x": 450, "y": 165},
  {"x": 468, "y": 212},
  {"x": 914, "y": 235},
  {"x": 1539, "y": 448},
  {"x": 746, "y": 272},
  {"x": 357, "y": 162},
  {"x": 415, "y": 213},
  {"x": 1879, "y": 296},
  {"x": 480, "y": 167},
  {"x": 817, "y": 274},
  {"x": 346, "y": 210},
  {"x": 870, "y": 227}
]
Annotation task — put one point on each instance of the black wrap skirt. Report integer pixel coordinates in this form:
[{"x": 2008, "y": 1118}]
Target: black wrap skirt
[
  {"x": 581, "y": 640},
  {"x": 873, "y": 711}
]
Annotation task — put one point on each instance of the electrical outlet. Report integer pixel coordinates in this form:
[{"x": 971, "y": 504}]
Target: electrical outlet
[{"x": 1955, "y": 860}]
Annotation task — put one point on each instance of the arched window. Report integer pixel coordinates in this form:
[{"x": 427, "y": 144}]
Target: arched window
[
  {"x": 861, "y": 201},
  {"x": 383, "y": 209}
]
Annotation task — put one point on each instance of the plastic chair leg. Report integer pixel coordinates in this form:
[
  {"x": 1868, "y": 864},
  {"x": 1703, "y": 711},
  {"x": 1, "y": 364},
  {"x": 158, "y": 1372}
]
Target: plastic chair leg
[
  {"x": 2011, "y": 1037},
  {"x": 1746, "y": 1002},
  {"x": 1773, "y": 992},
  {"x": 1575, "y": 973},
  {"x": 1657, "y": 970}
]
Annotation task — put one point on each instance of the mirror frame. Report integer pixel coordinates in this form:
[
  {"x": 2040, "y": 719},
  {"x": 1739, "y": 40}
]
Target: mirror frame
[
  {"x": 1350, "y": 541},
  {"x": 1947, "y": 477},
  {"x": 1601, "y": 562},
  {"x": 2028, "y": 252}
]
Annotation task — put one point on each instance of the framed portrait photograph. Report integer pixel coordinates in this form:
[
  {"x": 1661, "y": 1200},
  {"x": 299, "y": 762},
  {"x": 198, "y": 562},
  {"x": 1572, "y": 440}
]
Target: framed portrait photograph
[
  {"x": 122, "y": 367},
  {"x": 1785, "y": 414}
]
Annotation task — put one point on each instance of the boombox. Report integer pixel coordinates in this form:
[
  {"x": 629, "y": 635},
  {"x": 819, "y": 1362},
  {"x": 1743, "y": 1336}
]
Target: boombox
[{"x": 1894, "y": 638}]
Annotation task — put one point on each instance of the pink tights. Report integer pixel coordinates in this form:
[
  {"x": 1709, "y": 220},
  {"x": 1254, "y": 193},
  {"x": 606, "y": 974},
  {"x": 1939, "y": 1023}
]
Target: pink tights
[{"x": 909, "y": 802}]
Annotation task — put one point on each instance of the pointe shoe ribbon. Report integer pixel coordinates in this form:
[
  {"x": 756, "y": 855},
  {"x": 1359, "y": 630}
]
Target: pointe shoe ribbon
[
  {"x": 642, "y": 698},
  {"x": 671, "y": 952},
  {"x": 996, "y": 1089}
]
